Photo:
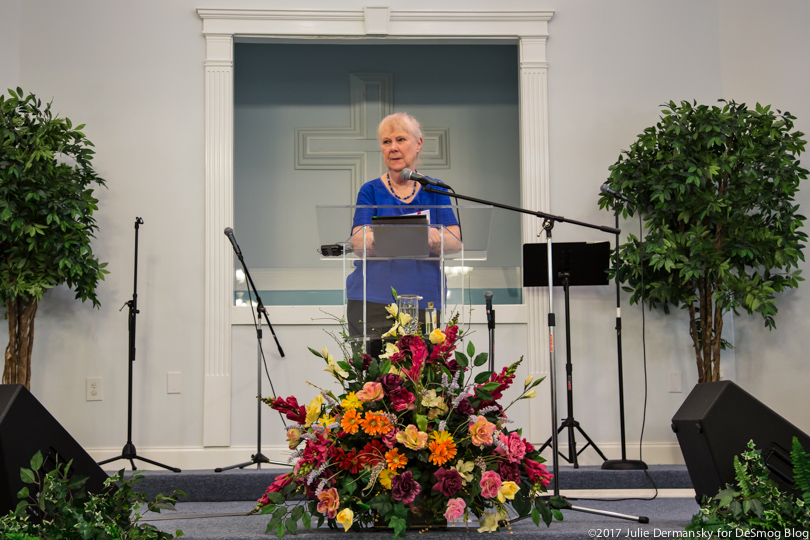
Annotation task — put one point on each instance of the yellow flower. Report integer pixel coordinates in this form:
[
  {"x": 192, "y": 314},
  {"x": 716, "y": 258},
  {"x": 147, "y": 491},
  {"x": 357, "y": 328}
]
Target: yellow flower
[
  {"x": 385, "y": 478},
  {"x": 314, "y": 410},
  {"x": 429, "y": 399},
  {"x": 531, "y": 394},
  {"x": 507, "y": 491},
  {"x": 465, "y": 469},
  {"x": 351, "y": 401},
  {"x": 346, "y": 517},
  {"x": 392, "y": 310},
  {"x": 437, "y": 336},
  {"x": 396, "y": 330},
  {"x": 332, "y": 365},
  {"x": 441, "y": 436},
  {"x": 327, "y": 419},
  {"x": 489, "y": 522},
  {"x": 390, "y": 349},
  {"x": 412, "y": 438},
  {"x": 529, "y": 380}
]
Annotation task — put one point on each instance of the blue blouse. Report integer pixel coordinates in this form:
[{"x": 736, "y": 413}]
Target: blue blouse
[{"x": 405, "y": 276}]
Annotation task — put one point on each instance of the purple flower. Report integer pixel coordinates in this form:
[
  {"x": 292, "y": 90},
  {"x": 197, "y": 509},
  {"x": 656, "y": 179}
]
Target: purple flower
[
  {"x": 449, "y": 481},
  {"x": 391, "y": 382},
  {"x": 509, "y": 471},
  {"x": 404, "y": 488}
]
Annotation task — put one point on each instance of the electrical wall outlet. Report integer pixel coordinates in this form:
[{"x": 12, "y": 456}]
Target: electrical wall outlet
[
  {"x": 93, "y": 389},
  {"x": 675, "y": 382},
  {"x": 173, "y": 382}
]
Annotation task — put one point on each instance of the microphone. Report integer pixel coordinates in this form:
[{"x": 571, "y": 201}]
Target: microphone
[
  {"x": 408, "y": 174},
  {"x": 232, "y": 238},
  {"x": 614, "y": 193}
]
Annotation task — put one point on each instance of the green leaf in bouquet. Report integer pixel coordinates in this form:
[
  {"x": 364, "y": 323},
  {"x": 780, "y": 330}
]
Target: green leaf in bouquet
[
  {"x": 470, "y": 349},
  {"x": 421, "y": 422},
  {"x": 23, "y": 493},
  {"x": 536, "y": 517},
  {"x": 521, "y": 503},
  {"x": 320, "y": 520},
  {"x": 357, "y": 362},
  {"x": 462, "y": 359},
  {"x": 291, "y": 525},
  {"x": 276, "y": 497},
  {"x": 483, "y": 394},
  {"x": 489, "y": 387},
  {"x": 306, "y": 519},
  {"x": 349, "y": 484},
  {"x": 280, "y": 530},
  {"x": 347, "y": 366},
  {"x": 268, "y": 509},
  {"x": 545, "y": 512},
  {"x": 481, "y": 359},
  {"x": 373, "y": 370},
  {"x": 398, "y": 524},
  {"x": 316, "y": 353},
  {"x": 483, "y": 377},
  {"x": 385, "y": 367},
  {"x": 400, "y": 510},
  {"x": 536, "y": 382},
  {"x": 297, "y": 512}
]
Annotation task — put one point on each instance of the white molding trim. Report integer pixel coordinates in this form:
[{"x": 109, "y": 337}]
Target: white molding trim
[{"x": 529, "y": 29}]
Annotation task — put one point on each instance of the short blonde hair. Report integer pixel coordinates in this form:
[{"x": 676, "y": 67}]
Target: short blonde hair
[{"x": 399, "y": 121}]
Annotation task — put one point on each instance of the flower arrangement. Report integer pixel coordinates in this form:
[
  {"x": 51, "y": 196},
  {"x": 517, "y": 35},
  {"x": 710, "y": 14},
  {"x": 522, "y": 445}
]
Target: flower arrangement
[{"x": 411, "y": 438}]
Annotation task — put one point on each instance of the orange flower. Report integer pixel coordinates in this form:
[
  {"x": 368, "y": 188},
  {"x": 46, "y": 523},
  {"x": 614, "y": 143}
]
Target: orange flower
[
  {"x": 442, "y": 448},
  {"x": 395, "y": 459},
  {"x": 376, "y": 424},
  {"x": 350, "y": 422}
]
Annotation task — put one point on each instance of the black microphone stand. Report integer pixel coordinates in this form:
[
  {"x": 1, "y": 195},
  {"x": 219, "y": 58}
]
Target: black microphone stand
[
  {"x": 548, "y": 225},
  {"x": 622, "y": 464},
  {"x": 258, "y": 458},
  {"x": 129, "y": 452},
  {"x": 491, "y": 328}
]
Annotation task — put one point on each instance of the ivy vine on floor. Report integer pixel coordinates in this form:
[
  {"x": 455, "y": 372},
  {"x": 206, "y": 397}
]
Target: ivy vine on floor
[
  {"x": 57, "y": 506},
  {"x": 756, "y": 503}
]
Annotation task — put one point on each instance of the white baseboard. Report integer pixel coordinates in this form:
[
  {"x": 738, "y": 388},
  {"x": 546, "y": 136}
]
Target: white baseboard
[{"x": 202, "y": 458}]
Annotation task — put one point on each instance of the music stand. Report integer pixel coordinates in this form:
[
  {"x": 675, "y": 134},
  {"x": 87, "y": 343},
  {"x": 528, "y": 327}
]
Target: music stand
[{"x": 574, "y": 264}]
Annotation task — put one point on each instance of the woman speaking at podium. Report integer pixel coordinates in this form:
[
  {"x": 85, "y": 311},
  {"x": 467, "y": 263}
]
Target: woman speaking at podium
[{"x": 400, "y": 139}]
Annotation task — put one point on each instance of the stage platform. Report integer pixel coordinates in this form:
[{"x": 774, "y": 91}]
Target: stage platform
[{"x": 217, "y": 503}]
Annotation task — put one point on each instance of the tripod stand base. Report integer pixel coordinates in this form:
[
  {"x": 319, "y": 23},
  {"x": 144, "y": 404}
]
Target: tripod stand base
[
  {"x": 130, "y": 454},
  {"x": 255, "y": 459},
  {"x": 624, "y": 465}
]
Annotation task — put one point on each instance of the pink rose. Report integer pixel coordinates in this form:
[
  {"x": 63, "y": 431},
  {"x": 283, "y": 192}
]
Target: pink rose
[
  {"x": 455, "y": 509},
  {"x": 402, "y": 399},
  {"x": 372, "y": 391},
  {"x": 511, "y": 447},
  {"x": 329, "y": 502},
  {"x": 490, "y": 484},
  {"x": 390, "y": 439},
  {"x": 481, "y": 432}
]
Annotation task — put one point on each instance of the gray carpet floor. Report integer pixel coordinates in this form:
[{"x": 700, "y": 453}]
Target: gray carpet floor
[{"x": 667, "y": 519}]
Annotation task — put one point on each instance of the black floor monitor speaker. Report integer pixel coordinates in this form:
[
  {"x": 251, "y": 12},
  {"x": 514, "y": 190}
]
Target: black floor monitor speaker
[
  {"x": 25, "y": 427},
  {"x": 715, "y": 423}
]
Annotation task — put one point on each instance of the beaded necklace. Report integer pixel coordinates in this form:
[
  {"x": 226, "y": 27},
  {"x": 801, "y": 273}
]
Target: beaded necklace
[{"x": 388, "y": 177}]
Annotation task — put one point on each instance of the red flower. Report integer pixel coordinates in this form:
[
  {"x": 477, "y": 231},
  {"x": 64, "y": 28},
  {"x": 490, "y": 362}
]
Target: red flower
[
  {"x": 537, "y": 472},
  {"x": 347, "y": 462},
  {"x": 372, "y": 453},
  {"x": 295, "y": 412}
]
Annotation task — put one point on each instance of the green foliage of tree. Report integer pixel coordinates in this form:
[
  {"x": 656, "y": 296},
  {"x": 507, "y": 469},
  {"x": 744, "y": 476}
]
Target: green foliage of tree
[
  {"x": 716, "y": 187},
  {"x": 46, "y": 218}
]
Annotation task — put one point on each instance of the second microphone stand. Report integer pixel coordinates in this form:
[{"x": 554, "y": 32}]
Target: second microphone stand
[
  {"x": 258, "y": 458},
  {"x": 548, "y": 225}
]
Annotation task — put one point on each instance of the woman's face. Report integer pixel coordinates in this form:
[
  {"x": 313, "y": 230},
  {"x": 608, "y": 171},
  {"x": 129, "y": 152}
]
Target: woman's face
[{"x": 400, "y": 149}]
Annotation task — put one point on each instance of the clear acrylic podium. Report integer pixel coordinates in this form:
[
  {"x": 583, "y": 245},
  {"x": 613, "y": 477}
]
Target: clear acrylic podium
[{"x": 448, "y": 260}]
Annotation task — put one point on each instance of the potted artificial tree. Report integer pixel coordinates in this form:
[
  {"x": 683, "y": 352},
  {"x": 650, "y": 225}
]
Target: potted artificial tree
[
  {"x": 716, "y": 188},
  {"x": 46, "y": 219}
]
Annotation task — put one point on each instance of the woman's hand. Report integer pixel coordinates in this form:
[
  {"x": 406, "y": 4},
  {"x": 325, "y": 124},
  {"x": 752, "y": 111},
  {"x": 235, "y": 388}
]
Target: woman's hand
[
  {"x": 451, "y": 241},
  {"x": 357, "y": 241}
]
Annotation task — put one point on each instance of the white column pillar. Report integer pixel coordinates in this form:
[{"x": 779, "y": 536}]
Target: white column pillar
[
  {"x": 535, "y": 196},
  {"x": 219, "y": 257}
]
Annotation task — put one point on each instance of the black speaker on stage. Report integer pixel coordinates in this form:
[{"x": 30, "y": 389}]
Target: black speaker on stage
[
  {"x": 25, "y": 427},
  {"x": 715, "y": 423}
]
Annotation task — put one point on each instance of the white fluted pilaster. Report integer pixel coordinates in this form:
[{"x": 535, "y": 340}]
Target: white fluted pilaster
[{"x": 218, "y": 257}]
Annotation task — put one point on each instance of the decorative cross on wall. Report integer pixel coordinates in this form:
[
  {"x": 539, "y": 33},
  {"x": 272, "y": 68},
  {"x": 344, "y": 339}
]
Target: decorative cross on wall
[{"x": 355, "y": 148}]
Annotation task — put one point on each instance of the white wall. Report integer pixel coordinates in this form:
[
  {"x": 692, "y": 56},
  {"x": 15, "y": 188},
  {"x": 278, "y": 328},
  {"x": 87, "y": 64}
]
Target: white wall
[{"x": 133, "y": 72}]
